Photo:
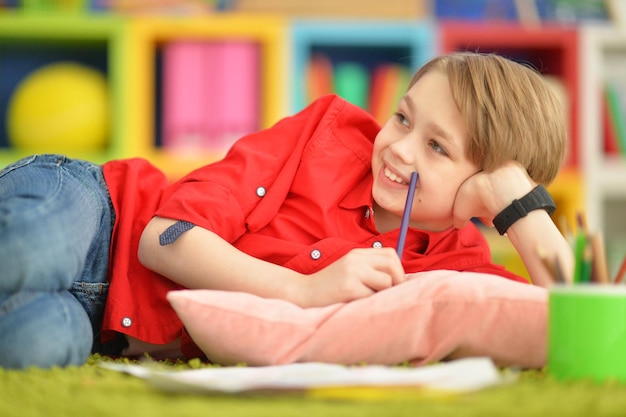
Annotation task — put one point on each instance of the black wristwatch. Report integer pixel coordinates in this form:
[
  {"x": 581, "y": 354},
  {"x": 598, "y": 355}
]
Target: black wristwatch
[{"x": 538, "y": 198}]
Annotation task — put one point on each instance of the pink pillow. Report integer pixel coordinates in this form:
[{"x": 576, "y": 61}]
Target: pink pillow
[{"x": 435, "y": 315}]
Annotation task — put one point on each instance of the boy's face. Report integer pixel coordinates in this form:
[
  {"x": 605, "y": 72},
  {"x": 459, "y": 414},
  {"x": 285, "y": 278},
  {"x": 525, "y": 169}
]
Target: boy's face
[{"x": 428, "y": 135}]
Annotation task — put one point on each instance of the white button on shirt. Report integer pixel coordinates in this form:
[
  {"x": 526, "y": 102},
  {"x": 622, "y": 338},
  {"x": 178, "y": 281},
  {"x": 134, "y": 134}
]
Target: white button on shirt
[
  {"x": 127, "y": 322},
  {"x": 316, "y": 254}
]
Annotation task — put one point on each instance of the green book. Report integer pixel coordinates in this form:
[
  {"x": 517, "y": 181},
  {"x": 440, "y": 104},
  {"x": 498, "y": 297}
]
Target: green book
[
  {"x": 617, "y": 114},
  {"x": 351, "y": 82}
]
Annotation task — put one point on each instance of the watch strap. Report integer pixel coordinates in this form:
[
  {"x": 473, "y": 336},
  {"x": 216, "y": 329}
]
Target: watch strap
[{"x": 538, "y": 198}]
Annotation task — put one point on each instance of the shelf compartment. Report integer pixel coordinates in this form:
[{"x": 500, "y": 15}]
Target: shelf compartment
[
  {"x": 30, "y": 42},
  {"x": 366, "y": 43},
  {"x": 147, "y": 37}
]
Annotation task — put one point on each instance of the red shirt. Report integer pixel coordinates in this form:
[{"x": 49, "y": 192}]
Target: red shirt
[{"x": 297, "y": 194}]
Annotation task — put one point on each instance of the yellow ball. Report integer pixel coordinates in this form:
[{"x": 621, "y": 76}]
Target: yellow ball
[{"x": 61, "y": 107}]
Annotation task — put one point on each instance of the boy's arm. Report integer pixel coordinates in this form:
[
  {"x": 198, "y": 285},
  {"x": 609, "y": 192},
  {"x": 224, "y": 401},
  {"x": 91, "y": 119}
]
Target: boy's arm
[
  {"x": 200, "y": 258},
  {"x": 536, "y": 239},
  {"x": 535, "y": 236}
]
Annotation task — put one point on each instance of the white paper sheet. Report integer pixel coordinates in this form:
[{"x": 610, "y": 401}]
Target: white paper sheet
[{"x": 456, "y": 376}]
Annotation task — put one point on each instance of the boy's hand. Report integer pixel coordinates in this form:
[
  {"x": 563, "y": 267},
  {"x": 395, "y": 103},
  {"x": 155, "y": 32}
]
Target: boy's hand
[
  {"x": 358, "y": 274},
  {"x": 485, "y": 194}
]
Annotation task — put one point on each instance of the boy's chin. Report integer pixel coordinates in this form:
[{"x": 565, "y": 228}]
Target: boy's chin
[
  {"x": 434, "y": 227},
  {"x": 440, "y": 230}
]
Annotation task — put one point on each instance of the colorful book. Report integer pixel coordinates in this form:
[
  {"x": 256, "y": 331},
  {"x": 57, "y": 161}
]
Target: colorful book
[
  {"x": 185, "y": 96},
  {"x": 402, "y": 85},
  {"x": 611, "y": 145},
  {"x": 389, "y": 84},
  {"x": 319, "y": 77},
  {"x": 233, "y": 69},
  {"x": 617, "y": 113},
  {"x": 384, "y": 80},
  {"x": 351, "y": 82}
]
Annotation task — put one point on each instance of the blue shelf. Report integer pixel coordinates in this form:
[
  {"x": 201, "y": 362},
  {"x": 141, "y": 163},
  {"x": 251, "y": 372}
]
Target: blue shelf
[{"x": 368, "y": 43}]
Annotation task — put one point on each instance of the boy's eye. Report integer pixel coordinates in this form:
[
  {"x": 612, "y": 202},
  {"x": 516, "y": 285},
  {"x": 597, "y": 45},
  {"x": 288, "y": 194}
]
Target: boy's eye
[
  {"x": 437, "y": 147},
  {"x": 401, "y": 118}
]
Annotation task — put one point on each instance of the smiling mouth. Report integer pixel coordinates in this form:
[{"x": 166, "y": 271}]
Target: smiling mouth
[{"x": 393, "y": 177}]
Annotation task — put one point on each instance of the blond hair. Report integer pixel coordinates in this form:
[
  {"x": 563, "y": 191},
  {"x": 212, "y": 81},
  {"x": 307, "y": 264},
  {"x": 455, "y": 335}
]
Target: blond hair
[{"x": 510, "y": 112}]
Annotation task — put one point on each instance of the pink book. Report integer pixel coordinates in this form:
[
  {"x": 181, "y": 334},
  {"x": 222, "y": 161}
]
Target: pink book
[
  {"x": 185, "y": 100},
  {"x": 235, "y": 92}
]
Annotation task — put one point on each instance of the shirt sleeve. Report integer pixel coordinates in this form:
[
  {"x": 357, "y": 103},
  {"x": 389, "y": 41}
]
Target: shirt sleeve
[{"x": 245, "y": 189}]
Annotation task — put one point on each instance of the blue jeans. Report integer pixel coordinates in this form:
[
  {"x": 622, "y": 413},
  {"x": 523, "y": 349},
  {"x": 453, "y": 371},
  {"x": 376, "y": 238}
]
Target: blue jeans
[{"x": 56, "y": 220}]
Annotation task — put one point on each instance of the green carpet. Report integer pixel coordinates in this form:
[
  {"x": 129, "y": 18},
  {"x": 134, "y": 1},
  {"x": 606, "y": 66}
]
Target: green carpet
[{"x": 91, "y": 391}]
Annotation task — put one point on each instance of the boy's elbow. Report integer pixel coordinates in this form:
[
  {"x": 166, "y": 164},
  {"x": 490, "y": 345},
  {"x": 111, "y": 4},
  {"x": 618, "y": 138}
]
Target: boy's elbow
[
  {"x": 142, "y": 252},
  {"x": 148, "y": 246}
]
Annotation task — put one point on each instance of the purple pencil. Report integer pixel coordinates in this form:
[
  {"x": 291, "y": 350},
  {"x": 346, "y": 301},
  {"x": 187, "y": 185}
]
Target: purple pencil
[{"x": 404, "y": 225}]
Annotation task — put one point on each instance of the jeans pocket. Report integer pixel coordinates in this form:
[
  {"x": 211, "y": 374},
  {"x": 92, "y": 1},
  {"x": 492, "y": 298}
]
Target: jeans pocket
[{"x": 92, "y": 296}]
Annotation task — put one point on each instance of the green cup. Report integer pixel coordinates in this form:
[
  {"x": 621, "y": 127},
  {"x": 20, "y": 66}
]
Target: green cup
[{"x": 587, "y": 332}]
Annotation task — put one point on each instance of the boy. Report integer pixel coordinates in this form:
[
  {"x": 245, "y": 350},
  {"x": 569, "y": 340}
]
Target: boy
[{"x": 307, "y": 211}]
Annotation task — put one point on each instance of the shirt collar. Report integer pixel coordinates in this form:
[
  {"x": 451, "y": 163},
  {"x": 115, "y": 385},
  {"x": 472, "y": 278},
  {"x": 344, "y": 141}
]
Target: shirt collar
[{"x": 360, "y": 195}]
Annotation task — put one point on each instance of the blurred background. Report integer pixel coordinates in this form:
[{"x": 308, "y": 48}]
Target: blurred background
[{"x": 177, "y": 82}]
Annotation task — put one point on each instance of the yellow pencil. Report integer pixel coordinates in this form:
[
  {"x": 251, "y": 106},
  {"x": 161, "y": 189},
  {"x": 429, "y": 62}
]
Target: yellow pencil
[{"x": 600, "y": 267}]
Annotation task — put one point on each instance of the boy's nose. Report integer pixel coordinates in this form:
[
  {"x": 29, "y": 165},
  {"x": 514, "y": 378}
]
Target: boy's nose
[{"x": 404, "y": 150}]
